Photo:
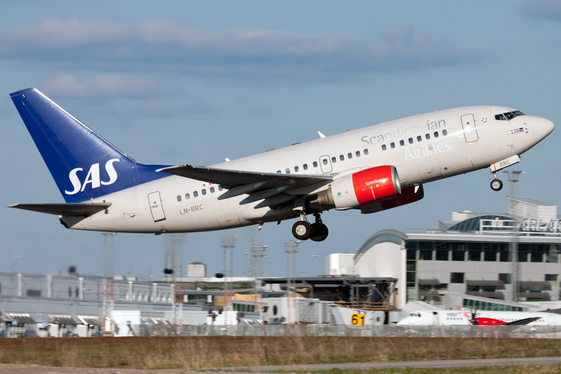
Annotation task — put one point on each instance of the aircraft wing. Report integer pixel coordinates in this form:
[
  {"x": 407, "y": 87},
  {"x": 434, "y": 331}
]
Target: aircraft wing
[
  {"x": 258, "y": 185},
  {"x": 522, "y": 322},
  {"x": 64, "y": 209},
  {"x": 485, "y": 321}
]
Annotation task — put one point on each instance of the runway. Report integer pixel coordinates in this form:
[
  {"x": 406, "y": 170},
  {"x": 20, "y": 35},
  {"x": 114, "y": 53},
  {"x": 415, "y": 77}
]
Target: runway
[{"x": 435, "y": 364}]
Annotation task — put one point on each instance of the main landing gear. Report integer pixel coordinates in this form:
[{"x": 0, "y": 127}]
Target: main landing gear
[
  {"x": 496, "y": 184},
  {"x": 303, "y": 230}
]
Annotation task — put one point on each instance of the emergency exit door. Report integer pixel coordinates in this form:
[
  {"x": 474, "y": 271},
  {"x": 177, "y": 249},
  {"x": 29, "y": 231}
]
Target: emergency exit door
[
  {"x": 155, "y": 202},
  {"x": 470, "y": 131}
]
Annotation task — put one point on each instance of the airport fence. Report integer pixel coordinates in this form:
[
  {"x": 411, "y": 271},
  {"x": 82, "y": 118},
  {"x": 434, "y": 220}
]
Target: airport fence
[{"x": 537, "y": 332}]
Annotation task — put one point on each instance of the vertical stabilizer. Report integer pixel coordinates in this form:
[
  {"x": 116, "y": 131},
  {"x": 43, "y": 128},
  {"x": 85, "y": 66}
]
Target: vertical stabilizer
[{"x": 83, "y": 164}]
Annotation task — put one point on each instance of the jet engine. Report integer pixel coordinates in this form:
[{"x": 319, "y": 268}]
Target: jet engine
[
  {"x": 408, "y": 195},
  {"x": 361, "y": 188}
]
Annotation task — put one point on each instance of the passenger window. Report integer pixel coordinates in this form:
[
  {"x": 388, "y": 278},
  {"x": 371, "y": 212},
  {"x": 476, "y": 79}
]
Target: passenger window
[
  {"x": 444, "y": 132},
  {"x": 287, "y": 170},
  {"x": 349, "y": 156},
  {"x": 357, "y": 153},
  {"x": 325, "y": 161},
  {"x": 296, "y": 168},
  {"x": 410, "y": 140},
  {"x": 419, "y": 139},
  {"x": 305, "y": 166},
  {"x": 334, "y": 159},
  {"x": 401, "y": 143},
  {"x": 278, "y": 171},
  {"x": 178, "y": 197},
  {"x": 315, "y": 164},
  {"x": 195, "y": 194},
  {"x": 384, "y": 147},
  {"x": 187, "y": 196},
  {"x": 427, "y": 136},
  {"x": 436, "y": 134},
  {"x": 212, "y": 190},
  {"x": 342, "y": 158},
  {"x": 204, "y": 191},
  {"x": 365, "y": 151},
  {"x": 392, "y": 144}
]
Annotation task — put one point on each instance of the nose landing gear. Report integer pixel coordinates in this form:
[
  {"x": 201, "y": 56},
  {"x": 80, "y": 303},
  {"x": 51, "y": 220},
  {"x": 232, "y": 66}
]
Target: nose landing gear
[
  {"x": 303, "y": 230},
  {"x": 496, "y": 184}
]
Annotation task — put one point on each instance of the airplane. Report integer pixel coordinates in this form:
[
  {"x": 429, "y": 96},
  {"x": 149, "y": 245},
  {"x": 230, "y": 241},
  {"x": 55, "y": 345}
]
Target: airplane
[
  {"x": 370, "y": 169},
  {"x": 479, "y": 318}
]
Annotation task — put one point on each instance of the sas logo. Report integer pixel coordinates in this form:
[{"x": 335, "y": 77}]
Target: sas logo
[{"x": 93, "y": 177}]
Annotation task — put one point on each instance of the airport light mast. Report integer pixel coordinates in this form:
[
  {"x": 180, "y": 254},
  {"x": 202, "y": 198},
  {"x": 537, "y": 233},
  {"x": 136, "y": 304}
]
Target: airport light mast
[
  {"x": 227, "y": 243},
  {"x": 514, "y": 178},
  {"x": 108, "y": 295},
  {"x": 257, "y": 252},
  {"x": 291, "y": 248}
]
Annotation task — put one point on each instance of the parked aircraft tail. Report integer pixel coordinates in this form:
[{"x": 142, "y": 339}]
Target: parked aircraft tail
[{"x": 83, "y": 164}]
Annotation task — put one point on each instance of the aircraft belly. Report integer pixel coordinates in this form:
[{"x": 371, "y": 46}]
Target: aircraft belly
[{"x": 266, "y": 214}]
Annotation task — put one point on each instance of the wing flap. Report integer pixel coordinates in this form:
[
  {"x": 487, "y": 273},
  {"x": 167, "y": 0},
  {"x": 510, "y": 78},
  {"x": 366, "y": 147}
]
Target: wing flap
[
  {"x": 233, "y": 178},
  {"x": 64, "y": 209}
]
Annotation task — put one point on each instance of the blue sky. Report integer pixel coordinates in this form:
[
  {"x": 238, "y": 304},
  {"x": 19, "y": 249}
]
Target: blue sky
[{"x": 195, "y": 82}]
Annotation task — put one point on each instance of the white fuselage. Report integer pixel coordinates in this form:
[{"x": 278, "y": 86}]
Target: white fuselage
[
  {"x": 423, "y": 148},
  {"x": 463, "y": 318}
]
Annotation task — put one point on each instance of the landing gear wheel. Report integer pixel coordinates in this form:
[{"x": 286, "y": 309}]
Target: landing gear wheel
[
  {"x": 319, "y": 232},
  {"x": 496, "y": 185},
  {"x": 302, "y": 230}
]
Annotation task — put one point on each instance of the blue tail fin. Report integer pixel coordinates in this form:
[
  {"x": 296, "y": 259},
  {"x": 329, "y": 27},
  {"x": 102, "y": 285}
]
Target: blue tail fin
[{"x": 83, "y": 164}]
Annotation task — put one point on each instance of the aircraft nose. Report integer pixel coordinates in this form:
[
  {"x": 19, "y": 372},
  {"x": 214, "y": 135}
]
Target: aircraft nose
[{"x": 542, "y": 127}]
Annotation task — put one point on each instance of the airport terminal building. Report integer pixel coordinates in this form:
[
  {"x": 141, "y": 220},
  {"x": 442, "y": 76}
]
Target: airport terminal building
[{"x": 505, "y": 257}]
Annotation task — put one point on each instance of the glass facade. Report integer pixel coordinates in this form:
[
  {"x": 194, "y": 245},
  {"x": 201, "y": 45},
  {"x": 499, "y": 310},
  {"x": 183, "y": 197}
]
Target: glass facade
[{"x": 485, "y": 252}]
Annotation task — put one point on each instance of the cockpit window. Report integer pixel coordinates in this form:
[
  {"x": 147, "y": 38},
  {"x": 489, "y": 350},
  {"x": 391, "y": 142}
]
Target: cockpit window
[
  {"x": 500, "y": 117},
  {"x": 508, "y": 116}
]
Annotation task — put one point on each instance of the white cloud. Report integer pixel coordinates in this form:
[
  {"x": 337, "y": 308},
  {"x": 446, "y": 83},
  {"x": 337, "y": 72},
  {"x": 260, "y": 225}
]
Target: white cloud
[
  {"x": 102, "y": 85},
  {"x": 249, "y": 54}
]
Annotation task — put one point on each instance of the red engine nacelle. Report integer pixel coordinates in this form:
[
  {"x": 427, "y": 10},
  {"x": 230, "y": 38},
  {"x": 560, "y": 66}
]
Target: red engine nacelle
[
  {"x": 362, "y": 188},
  {"x": 485, "y": 321},
  {"x": 408, "y": 195}
]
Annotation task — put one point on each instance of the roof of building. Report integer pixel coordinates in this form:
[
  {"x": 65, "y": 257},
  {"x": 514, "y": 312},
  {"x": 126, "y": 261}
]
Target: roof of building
[
  {"x": 530, "y": 201},
  {"x": 62, "y": 319},
  {"x": 19, "y": 318},
  {"x": 474, "y": 224},
  {"x": 393, "y": 236}
]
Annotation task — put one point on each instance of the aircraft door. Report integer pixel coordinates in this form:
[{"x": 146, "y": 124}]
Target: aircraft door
[
  {"x": 325, "y": 164},
  {"x": 470, "y": 131},
  {"x": 155, "y": 202},
  {"x": 435, "y": 318}
]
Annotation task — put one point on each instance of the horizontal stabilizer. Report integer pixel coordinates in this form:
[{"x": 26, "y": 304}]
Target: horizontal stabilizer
[{"x": 65, "y": 210}]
